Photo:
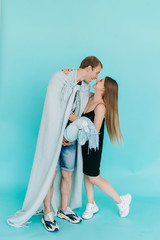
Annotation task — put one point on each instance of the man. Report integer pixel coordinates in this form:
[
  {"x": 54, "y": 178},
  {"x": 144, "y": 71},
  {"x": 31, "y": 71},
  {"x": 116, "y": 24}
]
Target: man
[
  {"x": 88, "y": 70},
  {"x": 64, "y": 95}
]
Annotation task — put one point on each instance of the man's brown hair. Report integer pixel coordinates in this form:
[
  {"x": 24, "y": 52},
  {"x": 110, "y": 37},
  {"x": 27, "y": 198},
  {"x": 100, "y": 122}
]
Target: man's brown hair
[{"x": 91, "y": 61}]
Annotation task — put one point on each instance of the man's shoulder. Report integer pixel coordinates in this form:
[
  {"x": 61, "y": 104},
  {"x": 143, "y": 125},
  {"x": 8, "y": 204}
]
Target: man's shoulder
[{"x": 58, "y": 73}]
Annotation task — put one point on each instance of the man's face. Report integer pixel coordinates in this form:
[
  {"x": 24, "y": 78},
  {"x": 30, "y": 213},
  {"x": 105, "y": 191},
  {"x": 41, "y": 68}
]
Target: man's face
[{"x": 92, "y": 73}]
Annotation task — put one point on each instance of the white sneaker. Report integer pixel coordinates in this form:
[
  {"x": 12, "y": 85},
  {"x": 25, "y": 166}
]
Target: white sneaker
[
  {"x": 124, "y": 205},
  {"x": 90, "y": 210}
]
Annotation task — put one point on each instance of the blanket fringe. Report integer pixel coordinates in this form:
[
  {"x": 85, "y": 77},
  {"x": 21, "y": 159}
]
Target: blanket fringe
[{"x": 17, "y": 225}]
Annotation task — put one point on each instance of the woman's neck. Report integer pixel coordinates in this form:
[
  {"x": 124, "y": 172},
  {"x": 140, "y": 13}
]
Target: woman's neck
[{"x": 97, "y": 97}]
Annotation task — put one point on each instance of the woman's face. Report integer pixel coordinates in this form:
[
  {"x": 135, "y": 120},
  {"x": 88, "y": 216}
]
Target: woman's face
[{"x": 99, "y": 85}]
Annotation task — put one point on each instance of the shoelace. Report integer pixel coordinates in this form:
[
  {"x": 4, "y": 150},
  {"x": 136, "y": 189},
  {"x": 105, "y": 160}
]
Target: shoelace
[
  {"x": 124, "y": 205},
  {"x": 73, "y": 213},
  {"x": 70, "y": 210},
  {"x": 125, "y": 202},
  {"x": 89, "y": 207}
]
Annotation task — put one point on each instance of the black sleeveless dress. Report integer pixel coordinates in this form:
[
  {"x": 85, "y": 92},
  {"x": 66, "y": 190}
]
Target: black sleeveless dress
[{"x": 91, "y": 160}]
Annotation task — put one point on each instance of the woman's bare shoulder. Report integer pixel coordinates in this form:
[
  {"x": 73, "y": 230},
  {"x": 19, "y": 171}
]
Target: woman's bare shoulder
[{"x": 100, "y": 108}]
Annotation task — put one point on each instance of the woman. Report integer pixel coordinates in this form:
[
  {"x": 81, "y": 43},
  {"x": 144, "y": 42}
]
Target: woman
[{"x": 102, "y": 108}]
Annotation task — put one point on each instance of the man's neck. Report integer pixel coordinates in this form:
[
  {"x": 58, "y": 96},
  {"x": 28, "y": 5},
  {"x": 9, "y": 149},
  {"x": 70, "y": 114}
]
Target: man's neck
[{"x": 80, "y": 75}]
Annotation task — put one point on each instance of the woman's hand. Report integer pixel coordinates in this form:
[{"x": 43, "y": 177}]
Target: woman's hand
[
  {"x": 72, "y": 117},
  {"x": 66, "y": 70}
]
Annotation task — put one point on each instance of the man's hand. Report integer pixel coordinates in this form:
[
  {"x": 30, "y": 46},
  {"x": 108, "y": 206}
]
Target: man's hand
[
  {"x": 66, "y": 143},
  {"x": 66, "y": 70}
]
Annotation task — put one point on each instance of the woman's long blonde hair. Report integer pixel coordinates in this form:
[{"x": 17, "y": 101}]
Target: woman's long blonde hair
[{"x": 110, "y": 98}]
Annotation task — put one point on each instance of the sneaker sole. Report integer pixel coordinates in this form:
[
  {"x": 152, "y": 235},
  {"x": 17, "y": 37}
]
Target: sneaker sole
[
  {"x": 49, "y": 230},
  {"x": 62, "y": 216}
]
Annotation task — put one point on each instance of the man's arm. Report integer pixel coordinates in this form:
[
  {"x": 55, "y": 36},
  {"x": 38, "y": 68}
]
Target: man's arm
[{"x": 66, "y": 143}]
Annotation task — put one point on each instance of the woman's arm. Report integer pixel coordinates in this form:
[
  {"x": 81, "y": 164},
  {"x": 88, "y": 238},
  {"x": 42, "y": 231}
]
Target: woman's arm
[{"x": 99, "y": 116}]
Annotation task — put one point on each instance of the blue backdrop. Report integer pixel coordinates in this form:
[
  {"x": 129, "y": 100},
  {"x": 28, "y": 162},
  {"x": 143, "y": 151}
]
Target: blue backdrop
[{"x": 39, "y": 38}]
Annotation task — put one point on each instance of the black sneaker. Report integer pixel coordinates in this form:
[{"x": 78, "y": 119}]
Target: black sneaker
[
  {"x": 69, "y": 215},
  {"x": 49, "y": 222}
]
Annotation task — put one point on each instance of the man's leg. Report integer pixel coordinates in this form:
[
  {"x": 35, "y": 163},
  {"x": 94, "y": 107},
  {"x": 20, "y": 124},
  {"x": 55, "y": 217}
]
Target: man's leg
[
  {"x": 48, "y": 198},
  {"x": 66, "y": 183},
  {"x": 48, "y": 220},
  {"x": 67, "y": 161}
]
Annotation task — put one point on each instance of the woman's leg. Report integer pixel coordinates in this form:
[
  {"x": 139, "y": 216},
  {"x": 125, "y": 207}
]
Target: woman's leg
[
  {"x": 91, "y": 207},
  {"x": 105, "y": 186},
  {"x": 48, "y": 198},
  {"x": 123, "y": 202},
  {"x": 89, "y": 189}
]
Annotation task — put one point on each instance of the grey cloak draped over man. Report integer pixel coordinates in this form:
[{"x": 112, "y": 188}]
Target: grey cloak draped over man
[{"x": 61, "y": 92}]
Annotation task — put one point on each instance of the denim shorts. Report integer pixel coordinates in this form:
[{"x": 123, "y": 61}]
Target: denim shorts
[{"x": 68, "y": 157}]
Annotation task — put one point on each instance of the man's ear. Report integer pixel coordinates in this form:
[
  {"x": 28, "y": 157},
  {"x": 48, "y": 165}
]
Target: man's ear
[{"x": 89, "y": 68}]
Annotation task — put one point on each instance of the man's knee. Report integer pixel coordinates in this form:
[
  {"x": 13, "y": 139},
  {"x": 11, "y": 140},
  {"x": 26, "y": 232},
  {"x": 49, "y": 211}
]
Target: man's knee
[
  {"x": 54, "y": 177},
  {"x": 66, "y": 175}
]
